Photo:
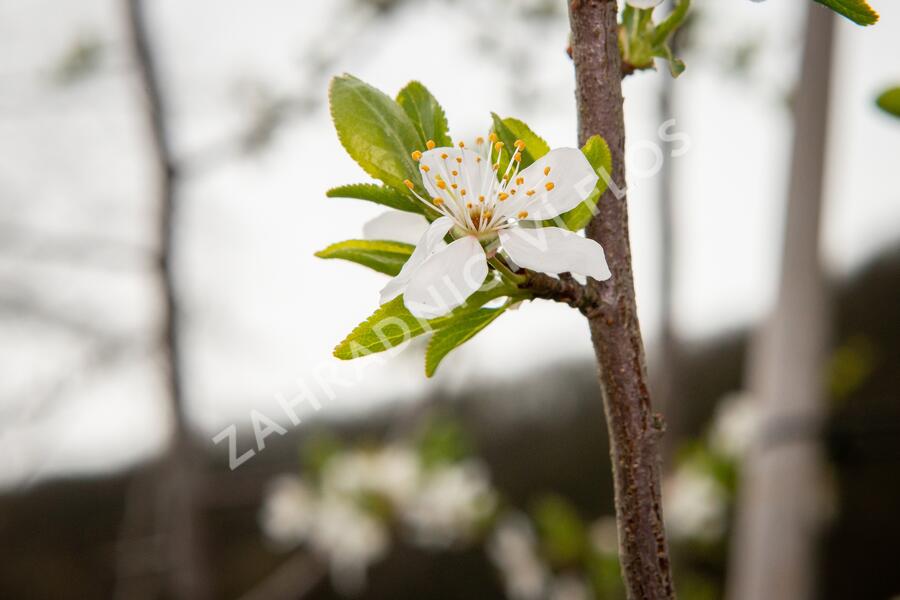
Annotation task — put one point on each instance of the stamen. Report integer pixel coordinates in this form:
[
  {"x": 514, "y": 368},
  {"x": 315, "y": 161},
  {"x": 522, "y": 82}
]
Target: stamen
[
  {"x": 519, "y": 144},
  {"x": 497, "y": 146},
  {"x": 496, "y": 166},
  {"x": 493, "y": 137},
  {"x": 513, "y": 191},
  {"x": 459, "y": 158},
  {"x": 455, "y": 173},
  {"x": 479, "y": 140},
  {"x": 517, "y": 156},
  {"x": 430, "y": 144},
  {"x": 529, "y": 193},
  {"x": 416, "y": 155},
  {"x": 523, "y": 214},
  {"x": 441, "y": 184},
  {"x": 520, "y": 180},
  {"x": 468, "y": 205},
  {"x": 478, "y": 159},
  {"x": 444, "y": 155},
  {"x": 481, "y": 198},
  {"x": 462, "y": 145},
  {"x": 546, "y": 170},
  {"x": 437, "y": 201},
  {"x": 502, "y": 196},
  {"x": 549, "y": 186},
  {"x": 408, "y": 183},
  {"x": 426, "y": 168},
  {"x": 454, "y": 186},
  {"x": 462, "y": 192}
]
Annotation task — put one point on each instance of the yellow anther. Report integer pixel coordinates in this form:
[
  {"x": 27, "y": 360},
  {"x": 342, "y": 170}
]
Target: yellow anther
[
  {"x": 430, "y": 144},
  {"x": 493, "y": 137},
  {"x": 502, "y": 196},
  {"x": 496, "y": 166},
  {"x": 517, "y": 156},
  {"x": 479, "y": 140},
  {"x": 462, "y": 144},
  {"x": 506, "y": 177},
  {"x": 497, "y": 146},
  {"x": 437, "y": 201},
  {"x": 523, "y": 214},
  {"x": 416, "y": 155},
  {"x": 454, "y": 186},
  {"x": 520, "y": 180},
  {"x": 444, "y": 155},
  {"x": 529, "y": 193},
  {"x": 459, "y": 159},
  {"x": 408, "y": 183},
  {"x": 519, "y": 144},
  {"x": 546, "y": 170},
  {"x": 478, "y": 159},
  {"x": 454, "y": 173},
  {"x": 441, "y": 184},
  {"x": 513, "y": 191},
  {"x": 481, "y": 198},
  {"x": 549, "y": 185},
  {"x": 462, "y": 192},
  {"x": 468, "y": 205},
  {"x": 486, "y": 216},
  {"x": 426, "y": 168}
]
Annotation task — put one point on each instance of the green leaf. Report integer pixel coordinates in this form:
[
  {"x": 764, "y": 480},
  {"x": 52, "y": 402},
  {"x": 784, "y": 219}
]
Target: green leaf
[
  {"x": 375, "y": 131},
  {"x": 383, "y": 256},
  {"x": 426, "y": 114},
  {"x": 889, "y": 101},
  {"x": 392, "y": 324},
  {"x": 857, "y": 11},
  {"x": 563, "y": 533},
  {"x": 379, "y": 194},
  {"x": 456, "y": 334},
  {"x": 509, "y": 130},
  {"x": 596, "y": 150}
]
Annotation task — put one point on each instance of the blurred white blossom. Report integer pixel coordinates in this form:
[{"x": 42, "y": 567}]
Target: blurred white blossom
[
  {"x": 350, "y": 540},
  {"x": 391, "y": 472},
  {"x": 513, "y": 548},
  {"x": 288, "y": 511},
  {"x": 604, "y": 535},
  {"x": 451, "y": 502},
  {"x": 735, "y": 425},
  {"x": 694, "y": 504},
  {"x": 569, "y": 587}
]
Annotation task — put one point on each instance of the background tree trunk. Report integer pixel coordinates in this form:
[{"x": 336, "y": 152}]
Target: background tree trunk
[
  {"x": 634, "y": 430},
  {"x": 779, "y": 511}
]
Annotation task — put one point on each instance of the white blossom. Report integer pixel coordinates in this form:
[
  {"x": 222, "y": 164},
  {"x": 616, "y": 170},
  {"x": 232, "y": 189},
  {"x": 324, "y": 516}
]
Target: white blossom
[
  {"x": 569, "y": 587},
  {"x": 391, "y": 472},
  {"x": 288, "y": 511},
  {"x": 513, "y": 548},
  {"x": 349, "y": 539},
  {"x": 604, "y": 535},
  {"x": 694, "y": 505},
  {"x": 480, "y": 208},
  {"x": 452, "y": 501},
  {"x": 735, "y": 425}
]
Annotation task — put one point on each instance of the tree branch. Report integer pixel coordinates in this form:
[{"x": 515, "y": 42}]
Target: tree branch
[{"x": 634, "y": 430}]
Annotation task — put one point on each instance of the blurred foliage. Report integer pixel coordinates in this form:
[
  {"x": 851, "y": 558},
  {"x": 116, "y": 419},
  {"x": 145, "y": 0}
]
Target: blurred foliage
[
  {"x": 857, "y": 11},
  {"x": 889, "y": 101},
  {"x": 850, "y": 366},
  {"x": 81, "y": 60},
  {"x": 443, "y": 441}
]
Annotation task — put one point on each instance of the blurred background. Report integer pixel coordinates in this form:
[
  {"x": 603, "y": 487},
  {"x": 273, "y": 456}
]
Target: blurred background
[{"x": 160, "y": 305}]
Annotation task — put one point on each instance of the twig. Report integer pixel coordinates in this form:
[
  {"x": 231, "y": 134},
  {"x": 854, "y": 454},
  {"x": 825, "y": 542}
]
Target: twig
[{"x": 634, "y": 430}]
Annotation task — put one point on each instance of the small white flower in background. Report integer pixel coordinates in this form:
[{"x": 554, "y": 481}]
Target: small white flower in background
[
  {"x": 288, "y": 511},
  {"x": 644, "y": 3},
  {"x": 569, "y": 587},
  {"x": 694, "y": 505},
  {"x": 604, "y": 535},
  {"x": 513, "y": 548},
  {"x": 391, "y": 472},
  {"x": 478, "y": 207},
  {"x": 450, "y": 504},
  {"x": 735, "y": 425},
  {"x": 349, "y": 539}
]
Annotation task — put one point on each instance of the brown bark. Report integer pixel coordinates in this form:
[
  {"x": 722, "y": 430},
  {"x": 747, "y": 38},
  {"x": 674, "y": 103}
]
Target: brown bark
[
  {"x": 773, "y": 554},
  {"x": 634, "y": 430}
]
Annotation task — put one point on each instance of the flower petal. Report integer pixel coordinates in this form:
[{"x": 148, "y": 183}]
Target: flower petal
[
  {"x": 554, "y": 250},
  {"x": 559, "y": 180},
  {"x": 430, "y": 242},
  {"x": 446, "y": 279},
  {"x": 396, "y": 225},
  {"x": 472, "y": 173}
]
